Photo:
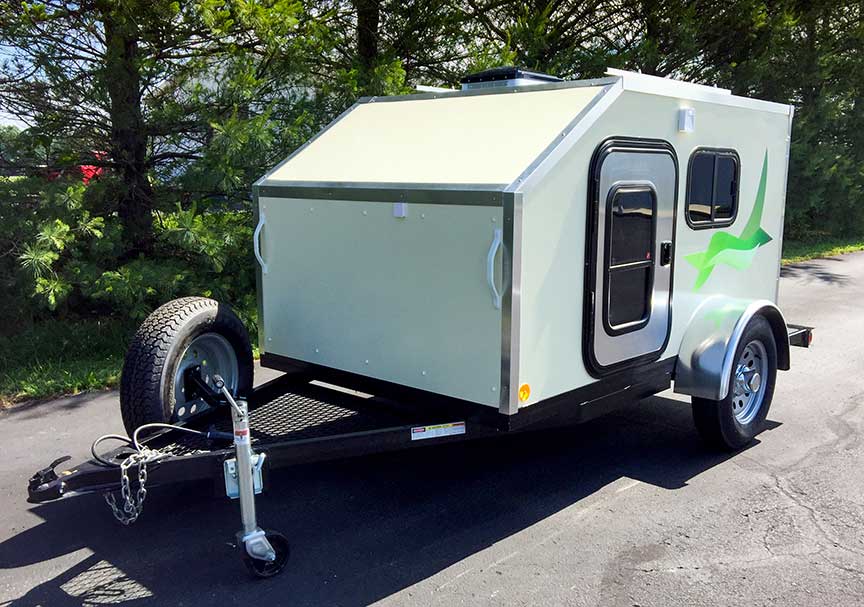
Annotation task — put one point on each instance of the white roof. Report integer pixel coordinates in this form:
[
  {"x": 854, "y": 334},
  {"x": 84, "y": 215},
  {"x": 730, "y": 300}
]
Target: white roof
[{"x": 464, "y": 139}]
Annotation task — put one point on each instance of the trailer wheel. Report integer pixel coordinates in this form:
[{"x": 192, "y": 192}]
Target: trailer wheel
[
  {"x": 733, "y": 422},
  {"x": 265, "y": 569},
  {"x": 177, "y": 337}
]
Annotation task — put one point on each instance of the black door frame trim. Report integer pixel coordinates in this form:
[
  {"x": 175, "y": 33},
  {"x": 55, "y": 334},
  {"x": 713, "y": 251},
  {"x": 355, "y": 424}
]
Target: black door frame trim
[{"x": 607, "y": 147}]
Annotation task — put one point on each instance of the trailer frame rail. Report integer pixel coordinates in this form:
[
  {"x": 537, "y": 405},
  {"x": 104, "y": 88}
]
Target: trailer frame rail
[{"x": 292, "y": 422}]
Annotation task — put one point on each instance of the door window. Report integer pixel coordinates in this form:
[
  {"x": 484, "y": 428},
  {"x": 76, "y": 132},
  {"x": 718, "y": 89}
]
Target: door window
[{"x": 630, "y": 241}]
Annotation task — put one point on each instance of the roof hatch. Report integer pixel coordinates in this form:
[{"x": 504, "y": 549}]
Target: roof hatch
[{"x": 507, "y": 76}]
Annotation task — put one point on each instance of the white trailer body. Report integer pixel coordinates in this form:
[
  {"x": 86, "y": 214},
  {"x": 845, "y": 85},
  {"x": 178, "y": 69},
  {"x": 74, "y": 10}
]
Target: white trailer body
[{"x": 512, "y": 246}]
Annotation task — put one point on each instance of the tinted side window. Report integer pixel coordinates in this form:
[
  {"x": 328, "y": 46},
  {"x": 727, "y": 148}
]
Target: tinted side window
[
  {"x": 629, "y": 295},
  {"x": 712, "y": 188},
  {"x": 725, "y": 187},
  {"x": 630, "y": 261},
  {"x": 632, "y": 220},
  {"x": 701, "y": 191}
]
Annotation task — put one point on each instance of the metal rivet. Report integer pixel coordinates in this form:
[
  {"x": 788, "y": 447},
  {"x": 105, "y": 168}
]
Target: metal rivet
[
  {"x": 422, "y": 215},
  {"x": 317, "y": 350},
  {"x": 366, "y": 361},
  {"x": 494, "y": 220},
  {"x": 365, "y": 212},
  {"x": 422, "y": 372}
]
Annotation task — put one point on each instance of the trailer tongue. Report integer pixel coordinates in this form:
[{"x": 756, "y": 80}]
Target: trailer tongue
[{"x": 287, "y": 421}]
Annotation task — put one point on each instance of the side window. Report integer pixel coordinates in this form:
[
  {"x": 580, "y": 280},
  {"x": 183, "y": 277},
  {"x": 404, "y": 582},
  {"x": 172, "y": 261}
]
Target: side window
[
  {"x": 630, "y": 256},
  {"x": 712, "y": 188}
]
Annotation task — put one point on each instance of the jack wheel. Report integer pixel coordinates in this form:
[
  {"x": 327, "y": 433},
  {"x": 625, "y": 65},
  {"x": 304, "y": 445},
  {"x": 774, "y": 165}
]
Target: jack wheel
[{"x": 264, "y": 569}]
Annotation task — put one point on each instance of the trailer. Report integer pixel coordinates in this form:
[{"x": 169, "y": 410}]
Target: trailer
[{"x": 520, "y": 254}]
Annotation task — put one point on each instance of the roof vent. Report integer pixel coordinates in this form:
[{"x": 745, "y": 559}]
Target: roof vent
[{"x": 505, "y": 77}]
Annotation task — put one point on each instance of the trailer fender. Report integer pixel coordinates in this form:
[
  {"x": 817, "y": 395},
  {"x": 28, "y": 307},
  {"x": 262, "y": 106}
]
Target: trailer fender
[{"x": 707, "y": 350}]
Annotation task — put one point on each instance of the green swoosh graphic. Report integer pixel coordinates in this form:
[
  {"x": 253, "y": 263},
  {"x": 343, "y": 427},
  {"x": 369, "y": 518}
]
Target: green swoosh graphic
[{"x": 734, "y": 251}]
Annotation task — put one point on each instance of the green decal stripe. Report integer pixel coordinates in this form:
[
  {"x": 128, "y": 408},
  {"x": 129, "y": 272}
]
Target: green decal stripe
[{"x": 751, "y": 238}]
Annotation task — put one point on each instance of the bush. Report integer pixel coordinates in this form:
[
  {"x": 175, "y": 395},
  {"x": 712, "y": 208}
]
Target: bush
[{"x": 64, "y": 262}]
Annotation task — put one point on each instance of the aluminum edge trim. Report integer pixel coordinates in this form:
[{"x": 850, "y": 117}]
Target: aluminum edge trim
[
  {"x": 510, "y": 312},
  {"x": 259, "y": 277},
  {"x": 457, "y": 194},
  {"x": 584, "y": 120},
  {"x": 783, "y": 207},
  {"x": 387, "y": 185},
  {"x": 531, "y": 88}
]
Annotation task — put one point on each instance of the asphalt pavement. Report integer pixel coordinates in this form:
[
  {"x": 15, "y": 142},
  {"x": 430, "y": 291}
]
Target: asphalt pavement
[{"x": 624, "y": 510}]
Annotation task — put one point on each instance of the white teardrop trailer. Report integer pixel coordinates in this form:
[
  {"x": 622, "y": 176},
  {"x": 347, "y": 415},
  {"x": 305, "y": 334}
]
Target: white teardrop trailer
[{"x": 519, "y": 254}]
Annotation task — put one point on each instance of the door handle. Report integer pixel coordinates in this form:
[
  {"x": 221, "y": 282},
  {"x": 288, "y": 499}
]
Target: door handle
[
  {"x": 256, "y": 242},
  {"x": 665, "y": 252},
  {"x": 490, "y": 267}
]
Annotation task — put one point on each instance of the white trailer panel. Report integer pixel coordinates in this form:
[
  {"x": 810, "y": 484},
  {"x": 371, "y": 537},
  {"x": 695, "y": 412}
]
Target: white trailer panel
[
  {"x": 480, "y": 139},
  {"x": 403, "y": 299}
]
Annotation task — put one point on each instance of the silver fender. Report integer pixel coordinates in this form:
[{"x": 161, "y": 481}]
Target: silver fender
[{"x": 707, "y": 350}]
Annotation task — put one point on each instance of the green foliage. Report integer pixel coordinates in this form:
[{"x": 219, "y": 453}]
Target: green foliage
[
  {"x": 64, "y": 261},
  {"x": 184, "y": 103}
]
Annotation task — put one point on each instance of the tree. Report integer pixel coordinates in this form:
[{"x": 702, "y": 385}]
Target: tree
[
  {"x": 381, "y": 47},
  {"x": 143, "y": 80},
  {"x": 570, "y": 38}
]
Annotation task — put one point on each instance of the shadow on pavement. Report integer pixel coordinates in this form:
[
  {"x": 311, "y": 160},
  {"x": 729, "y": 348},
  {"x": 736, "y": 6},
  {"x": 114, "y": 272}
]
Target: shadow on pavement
[
  {"x": 815, "y": 271},
  {"x": 35, "y": 408},
  {"x": 361, "y": 529}
]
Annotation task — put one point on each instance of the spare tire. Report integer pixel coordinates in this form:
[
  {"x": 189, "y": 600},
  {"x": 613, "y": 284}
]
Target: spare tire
[{"x": 183, "y": 333}]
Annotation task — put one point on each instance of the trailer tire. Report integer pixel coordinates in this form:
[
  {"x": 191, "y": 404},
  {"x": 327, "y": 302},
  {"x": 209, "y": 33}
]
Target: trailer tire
[
  {"x": 156, "y": 356},
  {"x": 732, "y": 423}
]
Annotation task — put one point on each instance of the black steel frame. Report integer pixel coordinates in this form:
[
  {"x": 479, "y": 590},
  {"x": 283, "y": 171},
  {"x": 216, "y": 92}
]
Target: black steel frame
[{"x": 387, "y": 426}]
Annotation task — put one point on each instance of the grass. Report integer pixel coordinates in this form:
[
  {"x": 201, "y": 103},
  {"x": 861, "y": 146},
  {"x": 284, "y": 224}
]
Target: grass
[
  {"x": 798, "y": 250},
  {"x": 55, "y": 358},
  {"x": 60, "y": 357}
]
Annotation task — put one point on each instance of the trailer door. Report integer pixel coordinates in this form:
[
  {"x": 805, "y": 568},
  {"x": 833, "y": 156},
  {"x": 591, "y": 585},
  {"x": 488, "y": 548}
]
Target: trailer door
[
  {"x": 405, "y": 293},
  {"x": 628, "y": 285}
]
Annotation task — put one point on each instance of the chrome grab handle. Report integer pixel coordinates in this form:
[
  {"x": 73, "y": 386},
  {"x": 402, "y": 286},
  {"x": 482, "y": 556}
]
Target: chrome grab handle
[
  {"x": 256, "y": 242},
  {"x": 490, "y": 267}
]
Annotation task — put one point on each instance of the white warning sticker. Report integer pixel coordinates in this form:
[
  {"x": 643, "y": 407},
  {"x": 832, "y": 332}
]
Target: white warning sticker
[
  {"x": 241, "y": 437},
  {"x": 437, "y": 431}
]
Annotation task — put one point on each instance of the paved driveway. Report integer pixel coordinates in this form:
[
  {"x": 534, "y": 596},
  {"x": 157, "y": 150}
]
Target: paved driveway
[{"x": 625, "y": 510}]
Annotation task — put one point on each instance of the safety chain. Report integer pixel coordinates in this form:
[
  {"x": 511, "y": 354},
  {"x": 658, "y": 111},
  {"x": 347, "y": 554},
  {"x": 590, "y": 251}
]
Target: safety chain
[{"x": 133, "y": 505}]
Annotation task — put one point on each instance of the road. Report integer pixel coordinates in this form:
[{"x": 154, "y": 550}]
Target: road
[{"x": 625, "y": 510}]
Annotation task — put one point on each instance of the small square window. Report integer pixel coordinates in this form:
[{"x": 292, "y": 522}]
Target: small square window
[{"x": 712, "y": 188}]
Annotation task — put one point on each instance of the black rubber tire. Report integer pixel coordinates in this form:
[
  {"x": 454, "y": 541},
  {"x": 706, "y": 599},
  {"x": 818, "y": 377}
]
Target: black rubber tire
[
  {"x": 146, "y": 383},
  {"x": 264, "y": 569},
  {"x": 715, "y": 420}
]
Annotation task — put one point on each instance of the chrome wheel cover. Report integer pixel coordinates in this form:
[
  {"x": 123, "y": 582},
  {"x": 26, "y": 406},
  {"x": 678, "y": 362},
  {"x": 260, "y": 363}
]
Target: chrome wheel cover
[{"x": 748, "y": 383}]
